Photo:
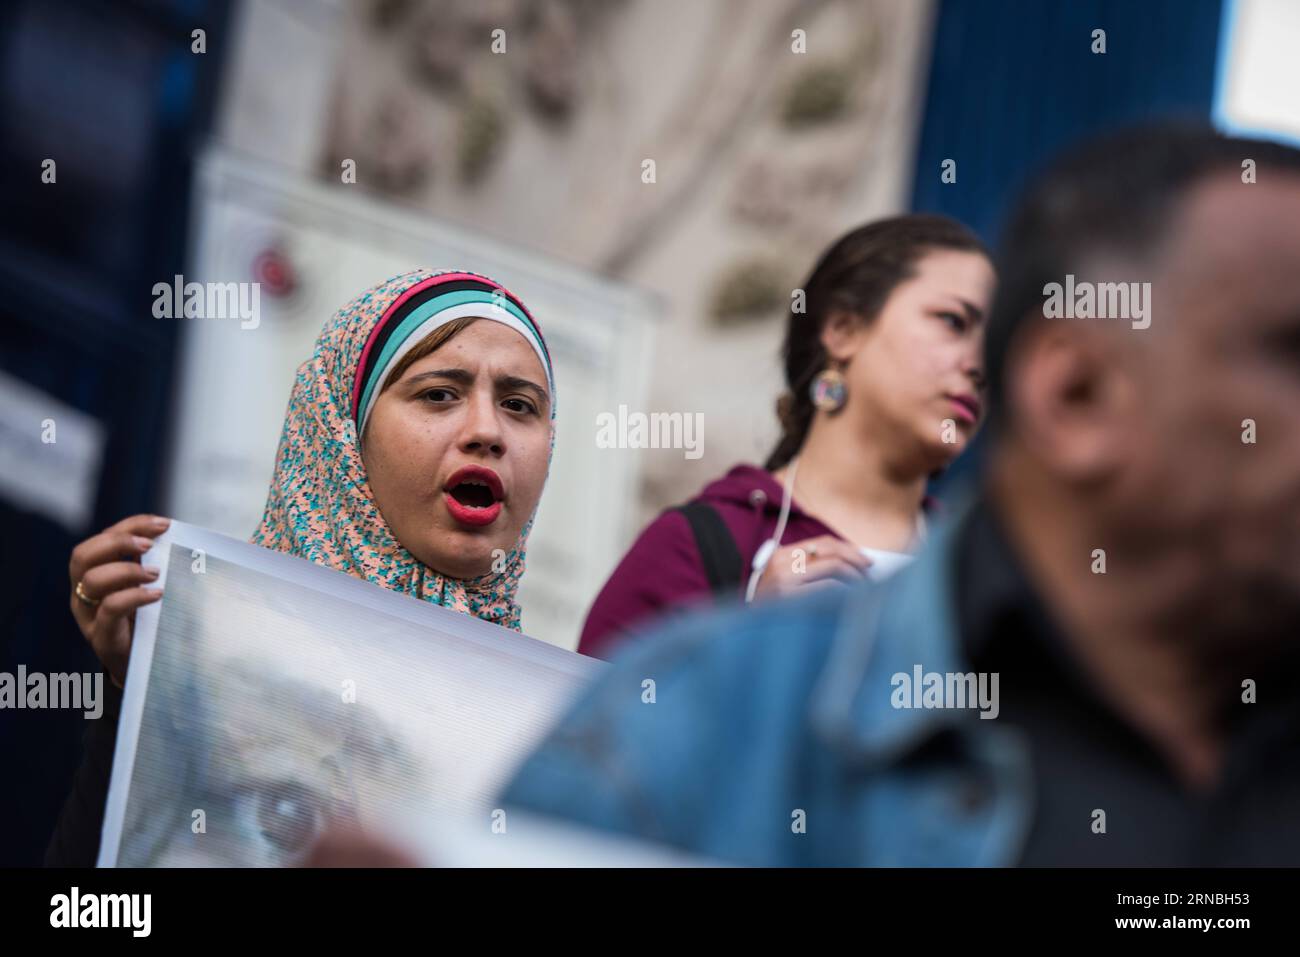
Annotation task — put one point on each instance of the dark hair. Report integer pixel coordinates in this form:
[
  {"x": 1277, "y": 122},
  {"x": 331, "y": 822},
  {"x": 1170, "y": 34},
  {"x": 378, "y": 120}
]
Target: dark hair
[
  {"x": 1114, "y": 196},
  {"x": 857, "y": 275}
]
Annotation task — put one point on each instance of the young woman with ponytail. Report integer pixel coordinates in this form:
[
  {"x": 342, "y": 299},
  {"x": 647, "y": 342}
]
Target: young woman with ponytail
[{"x": 885, "y": 387}]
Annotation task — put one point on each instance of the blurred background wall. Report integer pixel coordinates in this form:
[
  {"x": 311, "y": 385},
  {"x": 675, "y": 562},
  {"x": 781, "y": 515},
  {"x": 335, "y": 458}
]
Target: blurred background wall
[{"x": 773, "y": 126}]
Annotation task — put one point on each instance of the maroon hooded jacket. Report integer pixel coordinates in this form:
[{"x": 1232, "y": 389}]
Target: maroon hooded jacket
[{"x": 663, "y": 570}]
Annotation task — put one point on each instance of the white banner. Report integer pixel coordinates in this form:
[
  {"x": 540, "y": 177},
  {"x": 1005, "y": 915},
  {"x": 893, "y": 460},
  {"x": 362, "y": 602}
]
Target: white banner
[{"x": 267, "y": 697}]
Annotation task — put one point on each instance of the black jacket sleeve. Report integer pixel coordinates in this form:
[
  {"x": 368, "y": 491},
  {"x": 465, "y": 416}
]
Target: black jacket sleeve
[{"x": 75, "y": 842}]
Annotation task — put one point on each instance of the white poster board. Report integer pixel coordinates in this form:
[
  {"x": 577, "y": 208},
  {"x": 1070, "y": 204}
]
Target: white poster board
[{"x": 268, "y": 697}]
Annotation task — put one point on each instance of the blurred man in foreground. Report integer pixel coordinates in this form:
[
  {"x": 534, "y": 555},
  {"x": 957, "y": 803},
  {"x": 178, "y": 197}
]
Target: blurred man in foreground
[{"x": 1096, "y": 662}]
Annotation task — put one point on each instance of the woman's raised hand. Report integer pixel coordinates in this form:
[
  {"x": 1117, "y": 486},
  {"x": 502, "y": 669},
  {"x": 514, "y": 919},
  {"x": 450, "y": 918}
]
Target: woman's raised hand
[{"x": 109, "y": 584}]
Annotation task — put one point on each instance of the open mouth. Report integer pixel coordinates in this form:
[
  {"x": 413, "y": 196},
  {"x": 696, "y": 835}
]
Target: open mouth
[{"x": 474, "y": 495}]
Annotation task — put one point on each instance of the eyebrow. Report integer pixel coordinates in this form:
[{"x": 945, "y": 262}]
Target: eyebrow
[
  {"x": 503, "y": 382},
  {"x": 516, "y": 382}
]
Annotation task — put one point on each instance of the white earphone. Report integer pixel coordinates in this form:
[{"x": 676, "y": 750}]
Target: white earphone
[{"x": 765, "y": 551}]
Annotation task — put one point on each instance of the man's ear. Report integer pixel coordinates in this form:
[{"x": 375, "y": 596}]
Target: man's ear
[
  {"x": 842, "y": 334},
  {"x": 1071, "y": 398}
]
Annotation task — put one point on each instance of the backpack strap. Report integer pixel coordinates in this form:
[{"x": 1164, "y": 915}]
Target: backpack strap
[{"x": 722, "y": 560}]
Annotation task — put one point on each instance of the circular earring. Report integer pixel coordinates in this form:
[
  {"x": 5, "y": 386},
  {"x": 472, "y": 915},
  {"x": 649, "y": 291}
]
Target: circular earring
[{"x": 829, "y": 390}]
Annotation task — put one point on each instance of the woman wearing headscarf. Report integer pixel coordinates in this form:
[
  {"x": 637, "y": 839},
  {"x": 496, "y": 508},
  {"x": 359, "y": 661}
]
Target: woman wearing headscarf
[
  {"x": 414, "y": 452},
  {"x": 883, "y": 367}
]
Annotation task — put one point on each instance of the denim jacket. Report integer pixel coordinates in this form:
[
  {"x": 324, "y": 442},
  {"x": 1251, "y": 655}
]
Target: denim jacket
[{"x": 768, "y": 735}]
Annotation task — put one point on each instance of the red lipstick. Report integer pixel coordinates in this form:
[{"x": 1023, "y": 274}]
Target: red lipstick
[
  {"x": 474, "y": 495},
  {"x": 966, "y": 406}
]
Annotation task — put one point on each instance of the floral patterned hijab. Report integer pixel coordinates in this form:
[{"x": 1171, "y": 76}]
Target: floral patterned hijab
[{"x": 320, "y": 506}]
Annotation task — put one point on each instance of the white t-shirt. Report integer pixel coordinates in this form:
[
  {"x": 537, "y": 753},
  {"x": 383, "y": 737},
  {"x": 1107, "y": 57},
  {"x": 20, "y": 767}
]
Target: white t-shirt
[{"x": 884, "y": 564}]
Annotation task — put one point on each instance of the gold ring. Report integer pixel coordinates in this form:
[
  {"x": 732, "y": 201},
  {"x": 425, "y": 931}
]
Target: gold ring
[
  {"x": 84, "y": 598},
  {"x": 812, "y": 550}
]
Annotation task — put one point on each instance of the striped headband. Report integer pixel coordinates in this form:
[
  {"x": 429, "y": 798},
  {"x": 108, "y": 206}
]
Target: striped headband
[{"x": 427, "y": 305}]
